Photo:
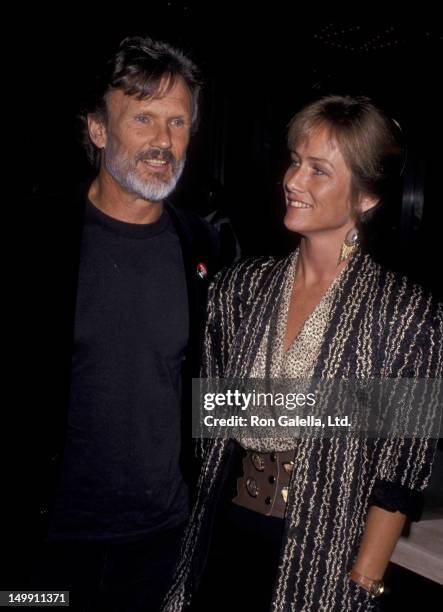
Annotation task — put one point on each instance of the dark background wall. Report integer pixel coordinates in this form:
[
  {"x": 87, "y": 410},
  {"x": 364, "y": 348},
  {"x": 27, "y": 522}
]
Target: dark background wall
[{"x": 259, "y": 68}]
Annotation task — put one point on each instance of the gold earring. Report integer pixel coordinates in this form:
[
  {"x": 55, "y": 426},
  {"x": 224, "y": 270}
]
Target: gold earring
[{"x": 349, "y": 245}]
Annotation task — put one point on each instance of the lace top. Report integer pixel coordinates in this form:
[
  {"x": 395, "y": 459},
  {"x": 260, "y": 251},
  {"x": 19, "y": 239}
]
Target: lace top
[{"x": 298, "y": 362}]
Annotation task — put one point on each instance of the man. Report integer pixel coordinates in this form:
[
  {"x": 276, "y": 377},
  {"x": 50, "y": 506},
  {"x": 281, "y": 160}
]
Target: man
[{"x": 124, "y": 285}]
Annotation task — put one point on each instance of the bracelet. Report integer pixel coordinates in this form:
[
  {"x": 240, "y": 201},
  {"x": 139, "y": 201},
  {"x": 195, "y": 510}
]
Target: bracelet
[{"x": 373, "y": 587}]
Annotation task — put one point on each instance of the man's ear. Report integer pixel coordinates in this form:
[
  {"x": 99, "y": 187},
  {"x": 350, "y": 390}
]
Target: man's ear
[
  {"x": 367, "y": 202},
  {"x": 97, "y": 131}
]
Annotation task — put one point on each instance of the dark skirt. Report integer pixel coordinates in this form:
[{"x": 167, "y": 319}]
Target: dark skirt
[{"x": 242, "y": 562}]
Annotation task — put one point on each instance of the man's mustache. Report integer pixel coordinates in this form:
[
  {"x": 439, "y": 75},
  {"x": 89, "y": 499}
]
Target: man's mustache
[{"x": 156, "y": 153}]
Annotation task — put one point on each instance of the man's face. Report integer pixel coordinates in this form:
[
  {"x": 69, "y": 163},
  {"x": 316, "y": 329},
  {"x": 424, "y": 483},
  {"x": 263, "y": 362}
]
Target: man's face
[{"x": 145, "y": 141}]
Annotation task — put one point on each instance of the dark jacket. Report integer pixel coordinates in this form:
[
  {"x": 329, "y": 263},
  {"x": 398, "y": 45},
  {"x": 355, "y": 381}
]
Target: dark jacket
[{"x": 43, "y": 287}]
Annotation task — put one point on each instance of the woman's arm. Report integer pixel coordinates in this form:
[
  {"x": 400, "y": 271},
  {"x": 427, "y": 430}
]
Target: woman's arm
[{"x": 383, "y": 528}]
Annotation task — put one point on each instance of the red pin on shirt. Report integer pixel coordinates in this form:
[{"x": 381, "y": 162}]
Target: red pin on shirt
[{"x": 202, "y": 271}]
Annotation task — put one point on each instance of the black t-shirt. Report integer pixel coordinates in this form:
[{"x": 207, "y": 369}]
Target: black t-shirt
[{"x": 120, "y": 475}]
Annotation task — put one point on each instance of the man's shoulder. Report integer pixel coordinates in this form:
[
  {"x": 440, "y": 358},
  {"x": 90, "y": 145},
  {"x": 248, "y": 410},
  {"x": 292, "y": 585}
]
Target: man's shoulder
[
  {"x": 189, "y": 221},
  {"x": 199, "y": 237}
]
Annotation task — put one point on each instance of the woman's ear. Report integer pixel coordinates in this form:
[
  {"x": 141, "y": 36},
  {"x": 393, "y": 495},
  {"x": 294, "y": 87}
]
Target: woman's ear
[
  {"x": 367, "y": 202},
  {"x": 97, "y": 131}
]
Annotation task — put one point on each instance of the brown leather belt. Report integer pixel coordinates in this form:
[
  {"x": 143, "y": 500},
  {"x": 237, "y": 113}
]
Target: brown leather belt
[{"x": 265, "y": 482}]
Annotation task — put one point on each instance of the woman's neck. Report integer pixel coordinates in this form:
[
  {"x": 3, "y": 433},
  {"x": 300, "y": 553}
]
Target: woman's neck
[{"x": 318, "y": 260}]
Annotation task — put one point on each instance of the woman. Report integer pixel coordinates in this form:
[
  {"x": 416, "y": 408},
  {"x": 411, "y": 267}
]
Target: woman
[{"x": 312, "y": 522}]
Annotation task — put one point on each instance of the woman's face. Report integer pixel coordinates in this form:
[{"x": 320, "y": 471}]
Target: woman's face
[{"x": 317, "y": 187}]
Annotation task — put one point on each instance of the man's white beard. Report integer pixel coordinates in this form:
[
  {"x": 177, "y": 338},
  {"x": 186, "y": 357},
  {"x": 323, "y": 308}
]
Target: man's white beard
[{"x": 125, "y": 173}]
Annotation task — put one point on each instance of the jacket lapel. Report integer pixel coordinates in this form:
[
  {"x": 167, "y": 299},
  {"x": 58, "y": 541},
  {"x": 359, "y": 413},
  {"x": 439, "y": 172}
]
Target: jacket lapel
[{"x": 198, "y": 245}]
